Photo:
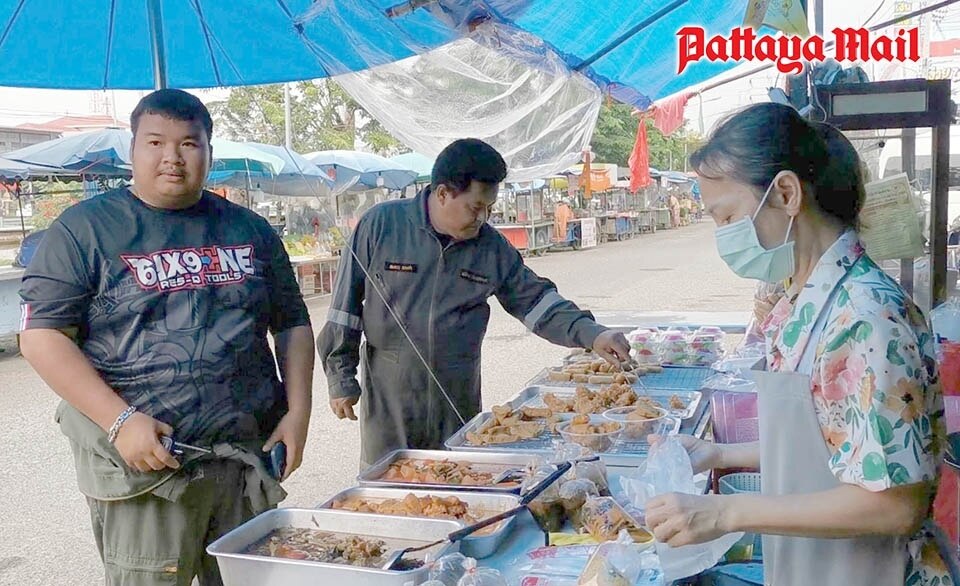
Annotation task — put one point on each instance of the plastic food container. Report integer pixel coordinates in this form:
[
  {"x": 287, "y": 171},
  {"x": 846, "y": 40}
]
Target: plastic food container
[
  {"x": 637, "y": 429},
  {"x": 706, "y": 345},
  {"x": 674, "y": 348},
  {"x": 598, "y": 442},
  {"x": 645, "y": 346}
]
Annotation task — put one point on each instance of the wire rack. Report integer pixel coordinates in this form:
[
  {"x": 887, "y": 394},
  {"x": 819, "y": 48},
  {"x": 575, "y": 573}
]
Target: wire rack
[{"x": 677, "y": 378}]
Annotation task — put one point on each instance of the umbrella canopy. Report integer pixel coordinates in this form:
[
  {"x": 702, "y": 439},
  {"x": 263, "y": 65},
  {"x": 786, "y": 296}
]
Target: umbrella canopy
[
  {"x": 423, "y": 165},
  {"x": 627, "y": 47},
  {"x": 17, "y": 170},
  {"x": 101, "y": 152},
  {"x": 296, "y": 177},
  {"x": 230, "y": 158},
  {"x": 366, "y": 170},
  {"x": 107, "y": 152}
]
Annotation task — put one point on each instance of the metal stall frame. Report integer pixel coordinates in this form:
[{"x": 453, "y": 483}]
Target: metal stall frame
[{"x": 905, "y": 104}]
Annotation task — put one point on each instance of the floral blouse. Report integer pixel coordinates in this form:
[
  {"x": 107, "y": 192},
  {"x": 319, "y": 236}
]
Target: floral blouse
[{"x": 874, "y": 380}]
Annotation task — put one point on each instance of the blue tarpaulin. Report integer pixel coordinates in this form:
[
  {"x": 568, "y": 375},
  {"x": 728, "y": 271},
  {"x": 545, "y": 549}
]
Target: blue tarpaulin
[{"x": 628, "y": 47}]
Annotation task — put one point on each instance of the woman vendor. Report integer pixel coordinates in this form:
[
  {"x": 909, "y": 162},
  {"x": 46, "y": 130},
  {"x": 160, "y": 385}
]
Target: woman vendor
[{"x": 850, "y": 408}]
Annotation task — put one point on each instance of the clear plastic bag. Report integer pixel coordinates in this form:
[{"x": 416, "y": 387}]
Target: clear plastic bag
[
  {"x": 447, "y": 570},
  {"x": 574, "y": 495},
  {"x": 547, "y": 508},
  {"x": 474, "y": 576},
  {"x": 554, "y": 563},
  {"x": 614, "y": 564},
  {"x": 595, "y": 472},
  {"x": 666, "y": 470}
]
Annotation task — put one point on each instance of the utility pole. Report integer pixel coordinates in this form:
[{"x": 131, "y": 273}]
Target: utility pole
[
  {"x": 287, "y": 124},
  {"x": 818, "y": 18}
]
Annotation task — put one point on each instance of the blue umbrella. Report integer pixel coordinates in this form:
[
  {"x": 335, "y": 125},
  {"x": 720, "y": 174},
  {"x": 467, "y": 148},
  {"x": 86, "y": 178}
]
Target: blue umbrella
[
  {"x": 101, "y": 152},
  {"x": 241, "y": 158},
  {"x": 628, "y": 47},
  {"x": 18, "y": 170},
  {"x": 366, "y": 170},
  {"x": 296, "y": 177},
  {"x": 415, "y": 161}
]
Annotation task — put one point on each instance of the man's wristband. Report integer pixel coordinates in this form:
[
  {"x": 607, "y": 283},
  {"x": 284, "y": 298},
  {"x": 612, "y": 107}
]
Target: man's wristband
[{"x": 121, "y": 419}]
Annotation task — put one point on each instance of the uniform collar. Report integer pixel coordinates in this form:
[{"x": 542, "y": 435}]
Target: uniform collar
[
  {"x": 790, "y": 324},
  {"x": 421, "y": 219}
]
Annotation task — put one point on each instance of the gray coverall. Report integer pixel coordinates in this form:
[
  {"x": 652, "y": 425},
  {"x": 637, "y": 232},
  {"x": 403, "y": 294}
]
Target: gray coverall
[{"x": 440, "y": 293}]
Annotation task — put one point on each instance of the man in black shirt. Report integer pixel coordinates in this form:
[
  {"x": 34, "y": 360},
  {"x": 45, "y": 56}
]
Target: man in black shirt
[{"x": 147, "y": 310}]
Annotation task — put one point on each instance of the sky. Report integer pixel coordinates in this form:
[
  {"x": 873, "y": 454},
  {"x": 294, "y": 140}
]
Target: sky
[{"x": 18, "y": 105}]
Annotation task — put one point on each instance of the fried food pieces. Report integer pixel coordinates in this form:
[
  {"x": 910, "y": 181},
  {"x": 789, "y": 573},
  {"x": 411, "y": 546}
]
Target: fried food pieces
[
  {"x": 507, "y": 426},
  {"x": 645, "y": 409},
  {"x": 411, "y": 505},
  {"x": 603, "y": 519},
  {"x": 587, "y": 402},
  {"x": 581, "y": 425},
  {"x": 677, "y": 403},
  {"x": 437, "y": 472}
]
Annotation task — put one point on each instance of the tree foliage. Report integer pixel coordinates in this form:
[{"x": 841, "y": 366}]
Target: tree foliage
[
  {"x": 323, "y": 117},
  {"x": 616, "y": 134}
]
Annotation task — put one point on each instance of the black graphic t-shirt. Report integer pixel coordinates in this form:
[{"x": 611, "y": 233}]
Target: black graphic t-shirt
[{"x": 172, "y": 308}]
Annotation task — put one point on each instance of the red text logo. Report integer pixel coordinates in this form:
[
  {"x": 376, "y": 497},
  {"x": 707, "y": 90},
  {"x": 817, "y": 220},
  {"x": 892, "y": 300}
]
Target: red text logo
[{"x": 790, "y": 52}]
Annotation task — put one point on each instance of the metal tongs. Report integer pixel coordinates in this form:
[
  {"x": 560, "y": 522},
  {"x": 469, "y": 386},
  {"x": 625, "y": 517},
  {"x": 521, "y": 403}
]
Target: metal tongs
[{"x": 394, "y": 559}]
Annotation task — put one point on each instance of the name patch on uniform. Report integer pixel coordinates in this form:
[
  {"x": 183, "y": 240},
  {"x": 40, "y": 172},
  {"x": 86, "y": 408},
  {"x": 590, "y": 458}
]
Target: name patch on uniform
[
  {"x": 400, "y": 267},
  {"x": 474, "y": 277}
]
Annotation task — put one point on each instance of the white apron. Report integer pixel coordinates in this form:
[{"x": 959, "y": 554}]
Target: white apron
[{"x": 794, "y": 459}]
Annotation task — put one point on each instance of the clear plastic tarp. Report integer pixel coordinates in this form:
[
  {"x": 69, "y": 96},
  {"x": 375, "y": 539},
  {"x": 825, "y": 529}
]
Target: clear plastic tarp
[{"x": 500, "y": 85}]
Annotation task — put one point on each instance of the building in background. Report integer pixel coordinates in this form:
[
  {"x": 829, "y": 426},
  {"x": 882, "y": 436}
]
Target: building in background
[
  {"x": 13, "y": 138},
  {"x": 66, "y": 125}
]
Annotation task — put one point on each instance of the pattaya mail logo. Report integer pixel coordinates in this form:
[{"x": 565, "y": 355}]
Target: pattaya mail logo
[
  {"x": 789, "y": 52},
  {"x": 191, "y": 268}
]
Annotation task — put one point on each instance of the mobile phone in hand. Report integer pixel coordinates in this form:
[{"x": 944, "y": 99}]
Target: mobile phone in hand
[{"x": 277, "y": 460}]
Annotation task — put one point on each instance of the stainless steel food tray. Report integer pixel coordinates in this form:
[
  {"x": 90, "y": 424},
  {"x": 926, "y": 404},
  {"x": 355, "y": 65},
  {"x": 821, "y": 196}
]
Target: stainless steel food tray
[
  {"x": 243, "y": 569},
  {"x": 482, "y": 506},
  {"x": 623, "y": 452},
  {"x": 486, "y": 461},
  {"x": 532, "y": 396}
]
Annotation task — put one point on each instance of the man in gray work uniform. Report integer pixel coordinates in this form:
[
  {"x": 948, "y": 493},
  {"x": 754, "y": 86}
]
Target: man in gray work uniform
[{"x": 435, "y": 261}]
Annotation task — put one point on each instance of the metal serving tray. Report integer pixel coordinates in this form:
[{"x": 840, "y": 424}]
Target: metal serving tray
[
  {"x": 242, "y": 569},
  {"x": 623, "y": 452},
  {"x": 532, "y": 396},
  {"x": 673, "y": 378},
  {"x": 480, "y": 545},
  {"x": 486, "y": 461}
]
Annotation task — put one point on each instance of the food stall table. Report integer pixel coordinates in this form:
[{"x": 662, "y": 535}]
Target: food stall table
[
  {"x": 662, "y": 216},
  {"x": 647, "y": 221},
  {"x": 533, "y": 237},
  {"x": 315, "y": 274}
]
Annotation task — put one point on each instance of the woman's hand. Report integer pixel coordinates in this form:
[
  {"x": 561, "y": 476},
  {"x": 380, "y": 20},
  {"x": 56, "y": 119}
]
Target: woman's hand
[
  {"x": 704, "y": 455},
  {"x": 685, "y": 519}
]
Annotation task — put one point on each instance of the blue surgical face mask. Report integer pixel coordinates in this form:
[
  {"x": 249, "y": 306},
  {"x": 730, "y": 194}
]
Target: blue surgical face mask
[{"x": 739, "y": 246}]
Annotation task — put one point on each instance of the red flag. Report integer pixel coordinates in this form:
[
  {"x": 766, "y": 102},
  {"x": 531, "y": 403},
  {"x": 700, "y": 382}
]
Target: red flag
[{"x": 640, "y": 159}]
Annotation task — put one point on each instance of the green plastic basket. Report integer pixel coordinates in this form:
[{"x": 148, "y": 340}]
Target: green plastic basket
[{"x": 740, "y": 482}]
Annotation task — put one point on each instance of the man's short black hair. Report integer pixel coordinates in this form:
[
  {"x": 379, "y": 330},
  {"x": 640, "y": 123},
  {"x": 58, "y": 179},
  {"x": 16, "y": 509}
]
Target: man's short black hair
[
  {"x": 176, "y": 105},
  {"x": 465, "y": 161}
]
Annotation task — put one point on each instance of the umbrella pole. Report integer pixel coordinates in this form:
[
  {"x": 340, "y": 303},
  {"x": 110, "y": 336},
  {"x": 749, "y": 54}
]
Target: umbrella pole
[
  {"x": 156, "y": 44},
  {"x": 23, "y": 226}
]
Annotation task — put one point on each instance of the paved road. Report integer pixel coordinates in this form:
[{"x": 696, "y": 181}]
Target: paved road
[{"x": 44, "y": 522}]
